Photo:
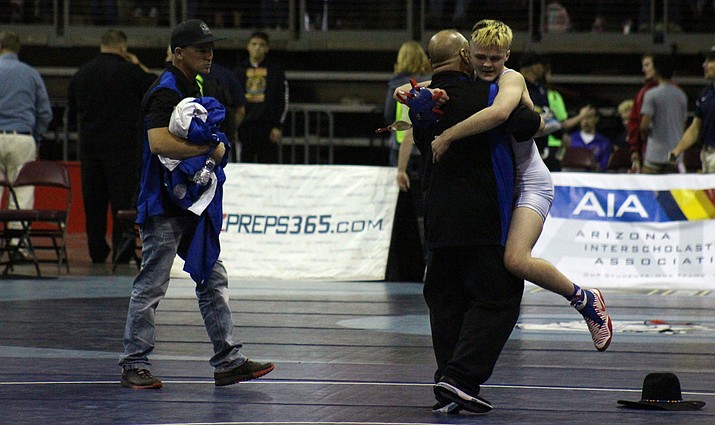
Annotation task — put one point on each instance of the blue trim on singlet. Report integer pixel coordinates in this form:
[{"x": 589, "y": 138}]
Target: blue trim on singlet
[{"x": 503, "y": 167}]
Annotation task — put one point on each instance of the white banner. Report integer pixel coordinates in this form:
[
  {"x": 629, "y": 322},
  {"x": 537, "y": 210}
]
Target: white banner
[
  {"x": 306, "y": 222},
  {"x": 625, "y": 230}
]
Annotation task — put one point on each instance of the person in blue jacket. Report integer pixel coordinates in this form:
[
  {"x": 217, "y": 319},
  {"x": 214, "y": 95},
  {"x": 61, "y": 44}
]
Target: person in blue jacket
[
  {"x": 168, "y": 229},
  {"x": 588, "y": 137}
]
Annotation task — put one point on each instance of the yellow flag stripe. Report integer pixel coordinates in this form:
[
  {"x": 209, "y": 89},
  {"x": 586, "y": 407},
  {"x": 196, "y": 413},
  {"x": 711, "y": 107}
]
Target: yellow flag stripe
[{"x": 695, "y": 204}]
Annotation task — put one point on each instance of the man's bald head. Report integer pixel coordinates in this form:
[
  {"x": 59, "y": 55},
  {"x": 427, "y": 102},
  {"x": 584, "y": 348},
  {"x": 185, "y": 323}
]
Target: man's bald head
[{"x": 445, "y": 48}]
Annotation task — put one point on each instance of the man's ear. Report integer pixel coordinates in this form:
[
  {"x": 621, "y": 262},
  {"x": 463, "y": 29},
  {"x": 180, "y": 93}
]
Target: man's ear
[{"x": 464, "y": 55}]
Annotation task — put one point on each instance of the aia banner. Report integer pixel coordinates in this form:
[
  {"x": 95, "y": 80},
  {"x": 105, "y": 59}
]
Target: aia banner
[{"x": 633, "y": 205}]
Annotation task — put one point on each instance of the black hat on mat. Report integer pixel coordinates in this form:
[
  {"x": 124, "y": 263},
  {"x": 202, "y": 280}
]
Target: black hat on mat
[{"x": 661, "y": 391}]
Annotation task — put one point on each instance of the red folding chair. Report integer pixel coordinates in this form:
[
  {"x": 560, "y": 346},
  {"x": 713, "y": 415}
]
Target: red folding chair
[{"x": 40, "y": 229}]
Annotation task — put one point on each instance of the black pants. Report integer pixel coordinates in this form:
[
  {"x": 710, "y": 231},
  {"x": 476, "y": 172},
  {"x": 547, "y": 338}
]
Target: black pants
[
  {"x": 405, "y": 259},
  {"x": 256, "y": 146},
  {"x": 474, "y": 305},
  {"x": 107, "y": 179}
]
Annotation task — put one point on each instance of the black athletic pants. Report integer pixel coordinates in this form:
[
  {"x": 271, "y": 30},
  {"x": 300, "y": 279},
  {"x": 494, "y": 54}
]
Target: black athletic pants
[{"x": 474, "y": 305}]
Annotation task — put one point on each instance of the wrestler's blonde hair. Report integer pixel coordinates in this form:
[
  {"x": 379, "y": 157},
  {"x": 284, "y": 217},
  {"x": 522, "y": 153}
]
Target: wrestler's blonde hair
[{"x": 492, "y": 33}]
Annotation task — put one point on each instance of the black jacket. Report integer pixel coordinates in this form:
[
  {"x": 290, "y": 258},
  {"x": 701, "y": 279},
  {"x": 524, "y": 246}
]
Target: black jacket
[
  {"x": 105, "y": 97},
  {"x": 266, "y": 92}
]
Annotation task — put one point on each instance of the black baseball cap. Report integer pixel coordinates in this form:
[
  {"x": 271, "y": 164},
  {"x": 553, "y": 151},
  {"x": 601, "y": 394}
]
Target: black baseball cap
[{"x": 192, "y": 32}]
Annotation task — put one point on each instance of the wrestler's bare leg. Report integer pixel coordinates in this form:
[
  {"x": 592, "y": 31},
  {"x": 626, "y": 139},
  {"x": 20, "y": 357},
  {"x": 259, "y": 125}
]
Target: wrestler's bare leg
[{"x": 524, "y": 231}]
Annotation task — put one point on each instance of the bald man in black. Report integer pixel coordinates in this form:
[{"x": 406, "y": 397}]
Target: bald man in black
[{"x": 473, "y": 300}]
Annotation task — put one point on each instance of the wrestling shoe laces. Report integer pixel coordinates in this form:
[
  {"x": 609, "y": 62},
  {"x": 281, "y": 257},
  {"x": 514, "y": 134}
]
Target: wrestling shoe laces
[{"x": 593, "y": 309}]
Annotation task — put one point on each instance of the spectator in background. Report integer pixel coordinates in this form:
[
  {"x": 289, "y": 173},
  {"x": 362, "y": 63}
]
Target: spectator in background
[
  {"x": 635, "y": 139},
  {"x": 266, "y": 103},
  {"x": 663, "y": 116},
  {"x": 412, "y": 63},
  {"x": 146, "y": 8},
  {"x": 557, "y": 18},
  {"x": 224, "y": 14},
  {"x": 16, "y": 10},
  {"x": 25, "y": 114},
  {"x": 703, "y": 126},
  {"x": 27, "y": 11},
  {"x": 274, "y": 14},
  {"x": 405, "y": 259},
  {"x": 624, "y": 111},
  {"x": 674, "y": 16},
  {"x": 531, "y": 66},
  {"x": 104, "y": 12},
  {"x": 557, "y": 108},
  {"x": 224, "y": 85},
  {"x": 438, "y": 14},
  {"x": 104, "y": 100},
  {"x": 587, "y": 137}
]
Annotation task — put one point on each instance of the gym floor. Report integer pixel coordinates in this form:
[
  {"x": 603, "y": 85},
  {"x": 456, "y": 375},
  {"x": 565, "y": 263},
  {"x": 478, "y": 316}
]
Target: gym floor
[{"x": 345, "y": 353}]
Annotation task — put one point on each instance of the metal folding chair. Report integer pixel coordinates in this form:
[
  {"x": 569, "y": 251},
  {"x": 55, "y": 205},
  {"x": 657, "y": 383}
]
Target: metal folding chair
[
  {"x": 40, "y": 229},
  {"x": 14, "y": 242},
  {"x": 619, "y": 161},
  {"x": 579, "y": 159}
]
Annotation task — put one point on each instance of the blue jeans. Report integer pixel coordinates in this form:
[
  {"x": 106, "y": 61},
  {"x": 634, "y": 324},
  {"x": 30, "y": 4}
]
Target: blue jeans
[{"x": 162, "y": 238}]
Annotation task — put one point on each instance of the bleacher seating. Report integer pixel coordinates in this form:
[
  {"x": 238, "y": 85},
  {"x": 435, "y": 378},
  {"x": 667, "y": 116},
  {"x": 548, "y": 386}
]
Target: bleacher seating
[{"x": 342, "y": 53}]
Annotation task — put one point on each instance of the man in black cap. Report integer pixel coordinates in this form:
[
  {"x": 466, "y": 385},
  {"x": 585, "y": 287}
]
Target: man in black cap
[{"x": 167, "y": 229}]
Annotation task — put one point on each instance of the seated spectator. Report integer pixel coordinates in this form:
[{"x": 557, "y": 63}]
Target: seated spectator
[
  {"x": 591, "y": 139},
  {"x": 557, "y": 18},
  {"x": 674, "y": 16},
  {"x": 146, "y": 8},
  {"x": 274, "y": 14},
  {"x": 437, "y": 15}
]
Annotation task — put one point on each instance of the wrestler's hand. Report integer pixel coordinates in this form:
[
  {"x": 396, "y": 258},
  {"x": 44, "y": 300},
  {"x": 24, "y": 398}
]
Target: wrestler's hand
[
  {"x": 403, "y": 181},
  {"x": 440, "y": 144}
]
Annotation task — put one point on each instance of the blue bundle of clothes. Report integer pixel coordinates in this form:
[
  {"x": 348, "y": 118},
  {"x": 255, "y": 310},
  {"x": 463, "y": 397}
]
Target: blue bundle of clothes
[{"x": 197, "y": 120}]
